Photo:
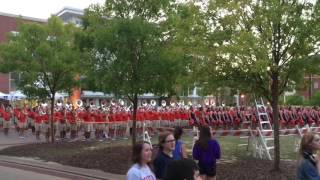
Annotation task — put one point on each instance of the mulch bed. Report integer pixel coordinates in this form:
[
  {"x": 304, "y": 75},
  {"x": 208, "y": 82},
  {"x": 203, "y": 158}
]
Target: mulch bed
[{"x": 116, "y": 159}]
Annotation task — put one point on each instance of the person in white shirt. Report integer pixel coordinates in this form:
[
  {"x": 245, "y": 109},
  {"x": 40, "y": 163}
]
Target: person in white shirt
[{"x": 141, "y": 156}]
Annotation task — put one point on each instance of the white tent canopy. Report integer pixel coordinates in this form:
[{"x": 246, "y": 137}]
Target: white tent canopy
[
  {"x": 3, "y": 95},
  {"x": 61, "y": 95},
  {"x": 16, "y": 95},
  {"x": 93, "y": 94}
]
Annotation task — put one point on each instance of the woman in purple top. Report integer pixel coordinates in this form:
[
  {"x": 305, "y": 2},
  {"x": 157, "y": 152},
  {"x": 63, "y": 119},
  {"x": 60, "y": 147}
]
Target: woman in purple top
[{"x": 206, "y": 150}]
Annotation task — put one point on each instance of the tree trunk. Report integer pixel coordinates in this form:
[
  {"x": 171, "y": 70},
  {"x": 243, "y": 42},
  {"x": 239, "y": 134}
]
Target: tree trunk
[
  {"x": 134, "y": 121},
  {"x": 275, "y": 101},
  {"x": 51, "y": 119}
]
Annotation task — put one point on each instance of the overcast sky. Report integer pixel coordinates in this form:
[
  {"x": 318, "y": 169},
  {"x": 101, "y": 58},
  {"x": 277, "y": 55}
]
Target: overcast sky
[{"x": 42, "y": 8}]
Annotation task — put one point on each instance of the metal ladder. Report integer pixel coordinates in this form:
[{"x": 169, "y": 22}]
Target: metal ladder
[
  {"x": 264, "y": 146},
  {"x": 145, "y": 136},
  {"x": 263, "y": 116},
  {"x": 265, "y": 143}
]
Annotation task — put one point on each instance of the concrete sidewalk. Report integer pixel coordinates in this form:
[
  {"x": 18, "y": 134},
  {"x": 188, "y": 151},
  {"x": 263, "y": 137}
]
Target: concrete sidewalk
[
  {"x": 13, "y": 139},
  {"x": 58, "y": 167}
]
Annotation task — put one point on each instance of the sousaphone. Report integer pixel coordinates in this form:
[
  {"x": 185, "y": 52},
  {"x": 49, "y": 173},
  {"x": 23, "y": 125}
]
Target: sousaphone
[
  {"x": 172, "y": 103},
  {"x": 163, "y": 103},
  {"x": 153, "y": 103},
  {"x": 79, "y": 103},
  {"x": 144, "y": 103},
  {"x": 121, "y": 102}
]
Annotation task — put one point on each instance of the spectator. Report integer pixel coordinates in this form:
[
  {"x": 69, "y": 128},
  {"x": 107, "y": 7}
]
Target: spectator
[
  {"x": 206, "y": 150},
  {"x": 309, "y": 164},
  {"x": 141, "y": 157},
  {"x": 180, "y": 150},
  {"x": 185, "y": 169},
  {"x": 164, "y": 157}
]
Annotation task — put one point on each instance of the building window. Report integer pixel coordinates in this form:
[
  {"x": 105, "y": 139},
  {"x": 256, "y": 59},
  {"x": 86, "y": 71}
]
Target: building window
[{"x": 315, "y": 85}]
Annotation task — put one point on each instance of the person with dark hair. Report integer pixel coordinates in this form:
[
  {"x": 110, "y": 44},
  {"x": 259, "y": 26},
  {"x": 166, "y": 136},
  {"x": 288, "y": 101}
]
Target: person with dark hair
[
  {"x": 309, "y": 164},
  {"x": 185, "y": 169},
  {"x": 206, "y": 150},
  {"x": 180, "y": 150},
  {"x": 164, "y": 156},
  {"x": 141, "y": 157}
]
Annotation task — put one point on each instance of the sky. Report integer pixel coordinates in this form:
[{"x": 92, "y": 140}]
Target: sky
[{"x": 42, "y": 8}]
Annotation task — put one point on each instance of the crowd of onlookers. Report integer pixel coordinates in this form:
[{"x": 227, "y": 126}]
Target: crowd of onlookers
[{"x": 172, "y": 162}]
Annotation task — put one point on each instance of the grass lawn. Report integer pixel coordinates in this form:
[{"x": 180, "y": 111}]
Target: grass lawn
[
  {"x": 115, "y": 157},
  {"x": 232, "y": 147}
]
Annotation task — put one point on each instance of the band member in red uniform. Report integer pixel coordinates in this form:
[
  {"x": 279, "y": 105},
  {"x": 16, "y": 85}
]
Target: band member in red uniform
[
  {"x": 100, "y": 120},
  {"x": 71, "y": 118},
  {"x": 193, "y": 117},
  {"x": 62, "y": 123},
  {"x": 22, "y": 121},
  {"x": 37, "y": 124},
  {"x": 7, "y": 115},
  {"x": 87, "y": 118}
]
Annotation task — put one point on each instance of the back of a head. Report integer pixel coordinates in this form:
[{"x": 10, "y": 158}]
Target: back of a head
[
  {"x": 177, "y": 133},
  {"x": 162, "y": 138},
  {"x": 181, "y": 170},
  {"x": 205, "y": 136},
  {"x": 305, "y": 145}
]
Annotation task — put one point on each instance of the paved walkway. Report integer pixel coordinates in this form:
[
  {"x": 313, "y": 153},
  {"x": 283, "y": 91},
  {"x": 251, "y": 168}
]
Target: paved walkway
[
  {"x": 17, "y": 174},
  {"x": 11, "y": 171},
  {"x": 59, "y": 170}
]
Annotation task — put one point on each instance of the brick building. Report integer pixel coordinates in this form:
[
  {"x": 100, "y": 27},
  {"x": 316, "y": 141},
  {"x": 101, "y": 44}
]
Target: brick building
[
  {"x": 9, "y": 23},
  {"x": 312, "y": 88}
]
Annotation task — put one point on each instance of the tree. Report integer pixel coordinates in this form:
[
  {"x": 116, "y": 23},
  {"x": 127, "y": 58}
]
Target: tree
[
  {"x": 263, "y": 46},
  {"x": 294, "y": 100},
  {"x": 315, "y": 101},
  {"x": 46, "y": 58},
  {"x": 129, "y": 52}
]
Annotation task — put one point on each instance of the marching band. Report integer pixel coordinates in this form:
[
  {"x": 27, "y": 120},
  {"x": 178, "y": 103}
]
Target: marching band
[{"x": 115, "y": 120}]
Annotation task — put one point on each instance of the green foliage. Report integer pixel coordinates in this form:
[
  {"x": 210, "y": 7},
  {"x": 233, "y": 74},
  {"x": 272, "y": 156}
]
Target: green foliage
[
  {"x": 261, "y": 40},
  {"x": 263, "y": 47},
  {"x": 294, "y": 100},
  {"x": 129, "y": 52},
  {"x": 44, "y": 55},
  {"x": 315, "y": 100}
]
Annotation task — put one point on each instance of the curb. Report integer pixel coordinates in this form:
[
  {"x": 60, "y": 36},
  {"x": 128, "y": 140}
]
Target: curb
[{"x": 52, "y": 166}]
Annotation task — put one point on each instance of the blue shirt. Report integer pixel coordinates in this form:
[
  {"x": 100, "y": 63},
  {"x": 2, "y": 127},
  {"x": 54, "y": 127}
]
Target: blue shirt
[
  {"x": 207, "y": 157},
  {"x": 161, "y": 163},
  {"x": 307, "y": 170},
  {"x": 177, "y": 153}
]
